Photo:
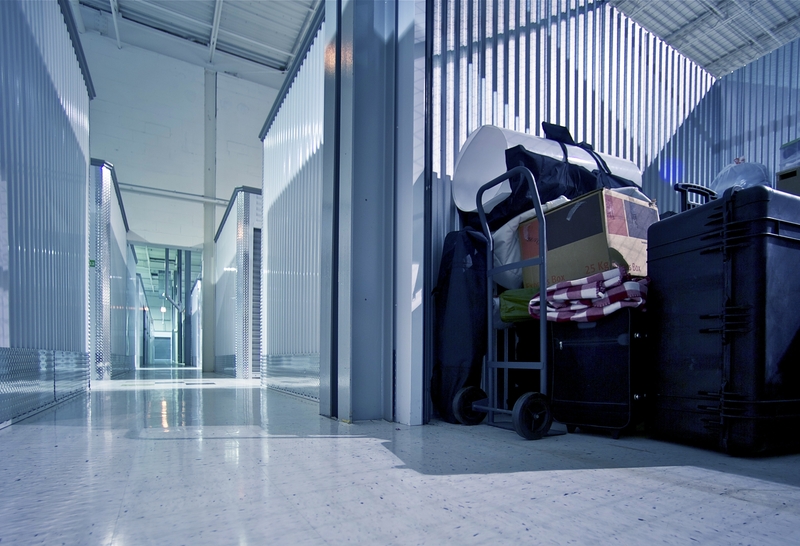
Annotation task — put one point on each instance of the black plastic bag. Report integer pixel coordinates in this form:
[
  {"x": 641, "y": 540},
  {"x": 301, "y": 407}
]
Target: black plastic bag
[
  {"x": 553, "y": 178},
  {"x": 460, "y": 322}
]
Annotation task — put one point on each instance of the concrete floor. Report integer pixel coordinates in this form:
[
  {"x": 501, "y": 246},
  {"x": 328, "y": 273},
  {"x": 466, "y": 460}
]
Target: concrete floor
[{"x": 175, "y": 458}]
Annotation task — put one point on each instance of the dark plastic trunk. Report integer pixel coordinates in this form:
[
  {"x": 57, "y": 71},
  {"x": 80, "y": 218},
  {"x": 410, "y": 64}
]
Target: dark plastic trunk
[{"x": 725, "y": 303}]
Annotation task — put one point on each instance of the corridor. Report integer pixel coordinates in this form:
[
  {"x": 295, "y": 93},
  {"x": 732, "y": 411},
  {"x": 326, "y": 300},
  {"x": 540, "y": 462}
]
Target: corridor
[{"x": 173, "y": 456}]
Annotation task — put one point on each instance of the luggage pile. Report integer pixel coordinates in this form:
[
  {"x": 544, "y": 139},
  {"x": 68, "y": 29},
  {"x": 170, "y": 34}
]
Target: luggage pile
[
  {"x": 686, "y": 323},
  {"x": 596, "y": 222}
]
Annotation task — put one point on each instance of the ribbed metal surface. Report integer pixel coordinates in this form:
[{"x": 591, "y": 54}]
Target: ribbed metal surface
[
  {"x": 100, "y": 270},
  {"x": 118, "y": 281},
  {"x": 27, "y": 381},
  {"x": 581, "y": 64},
  {"x": 71, "y": 373},
  {"x": 112, "y": 308},
  {"x": 244, "y": 286},
  {"x": 132, "y": 312},
  {"x": 234, "y": 290},
  {"x": 759, "y": 108},
  {"x": 138, "y": 304},
  {"x": 296, "y": 374},
  {"x": 46, "y": 24},
  {"x": 278, "y": 29},
  {"x": 227, "y": 270},
  {"x": 292, "y": 207},
  {"x": 197, "y": 333},
  {"x": 45, "y": 173},
  {"x": 44, "y": 143},
  {"x": 255, "y": 317},
  {"x": 187, "y": 19},
  {"x": 32, "y": 380}
]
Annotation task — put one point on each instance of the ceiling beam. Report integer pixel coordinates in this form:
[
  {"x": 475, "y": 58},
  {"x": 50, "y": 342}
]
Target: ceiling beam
[
  {"x": 115, "y": 15},
  {"x": 193, "y": 52},
  {"x": 172, "y": 194},
  {"x": 712, "y": 15},
  {"x": 304, "y": 28},
  {"x": 209, "y": 25},
  {"x": 729, "y": 62},
  {"x": 254, "y": 42},
  {"x": 212, "y": 44},
  {"x": 758, "y": 22}
]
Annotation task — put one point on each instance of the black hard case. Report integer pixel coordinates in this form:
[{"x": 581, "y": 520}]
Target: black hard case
[
  {"x": 601, "y": 371},
  {"x": 725, "y": 304}
]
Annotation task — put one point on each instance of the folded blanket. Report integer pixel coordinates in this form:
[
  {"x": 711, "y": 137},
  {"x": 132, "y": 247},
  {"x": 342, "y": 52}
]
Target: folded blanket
[{"x": 591, "y": 298}]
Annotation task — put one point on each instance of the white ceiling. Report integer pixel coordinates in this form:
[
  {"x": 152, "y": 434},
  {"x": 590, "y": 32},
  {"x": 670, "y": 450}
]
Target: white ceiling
[
  {"x": 719, "y": 35},
  {"x": 255, "y": 40}
]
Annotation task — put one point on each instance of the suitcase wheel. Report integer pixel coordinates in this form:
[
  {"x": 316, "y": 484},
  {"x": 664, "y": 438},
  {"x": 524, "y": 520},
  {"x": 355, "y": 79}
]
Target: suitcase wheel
[
  {"x": 532, "y": 416},
  {"x": 462, "y": 406}
]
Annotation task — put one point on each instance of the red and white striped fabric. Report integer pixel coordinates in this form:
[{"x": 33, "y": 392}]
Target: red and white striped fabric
[{"x": 591, "y": 298}]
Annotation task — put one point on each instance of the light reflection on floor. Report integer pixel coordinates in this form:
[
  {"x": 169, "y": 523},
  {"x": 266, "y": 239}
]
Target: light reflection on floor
[{"x": 175, "y": 456}]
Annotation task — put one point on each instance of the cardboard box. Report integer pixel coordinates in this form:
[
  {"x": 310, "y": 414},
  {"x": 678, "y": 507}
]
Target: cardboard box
[{"x": 593, "y": 233}]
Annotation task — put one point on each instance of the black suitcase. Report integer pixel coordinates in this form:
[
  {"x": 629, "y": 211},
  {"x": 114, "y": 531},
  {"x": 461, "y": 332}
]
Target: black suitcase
[
  {"x": 725, "y": 304},
  {"x": 601, "y": 371}
]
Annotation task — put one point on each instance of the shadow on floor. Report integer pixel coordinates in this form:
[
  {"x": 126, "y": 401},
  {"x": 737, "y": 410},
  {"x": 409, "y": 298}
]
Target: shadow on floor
[{"x": 192, "y": 406}]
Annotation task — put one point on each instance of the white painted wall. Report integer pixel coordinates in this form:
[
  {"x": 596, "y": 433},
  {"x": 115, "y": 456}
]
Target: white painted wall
[
  {"x": 147, "y": 120},
  {"x": 242, "y": 108}
]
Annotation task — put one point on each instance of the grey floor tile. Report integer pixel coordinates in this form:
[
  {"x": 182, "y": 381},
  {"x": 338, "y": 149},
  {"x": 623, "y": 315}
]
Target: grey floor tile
[{"x": 175, "y": 457}]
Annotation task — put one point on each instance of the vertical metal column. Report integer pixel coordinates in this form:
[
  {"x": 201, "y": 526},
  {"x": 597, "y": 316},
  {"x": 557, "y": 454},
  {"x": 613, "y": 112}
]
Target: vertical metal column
[
  {"x": 410, "y": 197},
  {"x": 362, "y": 94},
  {"x": 329, "y": 242},
  {"x": 187, "y": 308},
  {"x": 179, "y": 298},
  {"x": 209, "y": 219}
]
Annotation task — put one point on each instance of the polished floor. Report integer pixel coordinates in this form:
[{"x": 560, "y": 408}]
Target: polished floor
[{"x": 173, "y": 457}]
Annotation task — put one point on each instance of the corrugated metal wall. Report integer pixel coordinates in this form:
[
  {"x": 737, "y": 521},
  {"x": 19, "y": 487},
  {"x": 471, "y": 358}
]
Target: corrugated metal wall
[
  {"x": 227, "y": 270},
  {"x": 44, "y": 113},
  {"x": 292, "y": 208},
  {"x": 112, "y": 274},
  {"x": 118, "y": 269},
  {"x": 234, "y": 290},
  {"x": 244, "y": 284},
  {"x": 759, "y": 106},
  {"x": 100, "y": 271},
  {"x": 139, "y": 304},
  {"x": 577, "y": 63},
  {"x": 133, "y": 311}
]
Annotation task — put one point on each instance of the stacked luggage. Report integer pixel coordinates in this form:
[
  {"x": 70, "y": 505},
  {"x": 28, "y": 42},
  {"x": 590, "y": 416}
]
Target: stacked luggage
[
  {"x": 585, "y": 374},
  {"x": 711, "y": 360}
]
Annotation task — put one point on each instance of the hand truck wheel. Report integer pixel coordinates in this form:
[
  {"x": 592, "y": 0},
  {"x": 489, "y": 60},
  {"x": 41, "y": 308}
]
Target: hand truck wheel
[
  {"x": 462, "y": 406},
  {"x": 532, "y": 416}
]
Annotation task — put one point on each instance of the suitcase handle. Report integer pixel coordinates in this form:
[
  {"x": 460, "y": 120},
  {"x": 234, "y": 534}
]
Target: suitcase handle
[{"x": 706, "y": 194}]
